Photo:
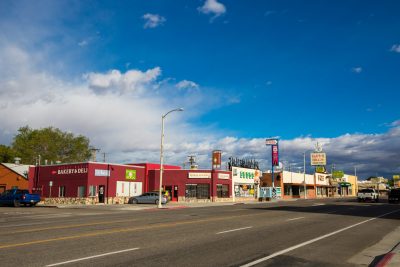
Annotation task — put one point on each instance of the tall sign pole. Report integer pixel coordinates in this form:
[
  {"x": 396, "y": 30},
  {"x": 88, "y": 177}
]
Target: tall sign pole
[{"x": 274, "y": 143}]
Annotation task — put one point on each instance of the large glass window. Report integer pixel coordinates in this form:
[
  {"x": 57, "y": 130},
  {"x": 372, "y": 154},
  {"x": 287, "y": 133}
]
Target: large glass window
[
  {"x": 92, "y": 190},
  {"x": 61, "y": 191},
  {"x": 81, "y": 191},
  {"x": 287, "y": 190},
  {"x": 190, "y": 191},
  {"x": 203, "y": 191},
  {"x": 222, "y": 190},
  {"x": 199, "y": 191}
]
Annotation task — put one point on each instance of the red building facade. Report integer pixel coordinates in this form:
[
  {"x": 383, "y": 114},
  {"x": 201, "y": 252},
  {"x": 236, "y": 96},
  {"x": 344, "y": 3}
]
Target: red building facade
[
  {"x": 193, "y": 185},
  {"x": 90, "y": 182},
  {"x": 94, "y": 182}
]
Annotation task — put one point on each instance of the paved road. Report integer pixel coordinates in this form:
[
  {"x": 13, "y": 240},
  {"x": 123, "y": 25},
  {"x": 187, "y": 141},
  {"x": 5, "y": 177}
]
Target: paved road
[{"x": 300, "y": 233}]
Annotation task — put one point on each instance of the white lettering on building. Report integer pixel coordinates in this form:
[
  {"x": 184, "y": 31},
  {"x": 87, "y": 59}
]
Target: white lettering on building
[{"x": 72, "y": 171}]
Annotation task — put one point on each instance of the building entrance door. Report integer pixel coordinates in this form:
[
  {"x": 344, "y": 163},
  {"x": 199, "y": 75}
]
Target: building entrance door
[
  {"x": 101, "y": 193},
  {"x": 175, "y": 194}
]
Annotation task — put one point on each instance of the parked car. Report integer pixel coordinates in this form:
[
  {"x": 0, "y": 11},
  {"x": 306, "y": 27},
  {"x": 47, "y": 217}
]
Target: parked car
[
  {"x": 368, "y": 194},
  {"x": 394, "y": 195},
  {"x": 18, "y": 197},
  {"x": 148, "y": 198}
]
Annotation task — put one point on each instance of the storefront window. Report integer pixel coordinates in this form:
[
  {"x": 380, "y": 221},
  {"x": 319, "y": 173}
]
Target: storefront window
[
  {"x": 222, "y": 191},
  {"x": 199, "y": 191},
  {"x": 244, "y": 190},
  {"x": 92, "y": 191},
  {"x": 81, "y": 191},
  {"x": 190, "y": 191},
  {"x": 203, "y": 191},
  {"x": 287, "y": 190},
  {"x": 61, "y": 191}
]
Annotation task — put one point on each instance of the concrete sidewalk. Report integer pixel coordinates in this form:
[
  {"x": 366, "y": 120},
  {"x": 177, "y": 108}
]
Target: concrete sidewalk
[
  {"x": 385, "y": 253},
  {"x": 169, "y": 205},
  {"x": 391, "y": 259}
]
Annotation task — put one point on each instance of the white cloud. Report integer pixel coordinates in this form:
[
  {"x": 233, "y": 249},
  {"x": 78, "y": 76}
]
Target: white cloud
[
  {"x": 212, "y": 7},
  {"x": 395, "y": 48},
  {"x": 185, "y": 84},
  {"x": 114, "y": 80},
  {"x": 357, "y": 69},
  {"x": 124, "y": 119},
  {"x": 153, "y": 20},
  {"x": 83, "y": 43}
]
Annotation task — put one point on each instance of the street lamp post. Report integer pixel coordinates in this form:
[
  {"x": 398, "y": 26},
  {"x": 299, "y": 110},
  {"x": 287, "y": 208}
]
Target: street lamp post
[{"x": 162, "y": 154}]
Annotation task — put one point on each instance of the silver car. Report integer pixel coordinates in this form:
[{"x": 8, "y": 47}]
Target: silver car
[{"x": 148, "y": 198}]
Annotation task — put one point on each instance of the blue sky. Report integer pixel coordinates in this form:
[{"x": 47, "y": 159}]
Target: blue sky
[{"x": 305, "y": 71}]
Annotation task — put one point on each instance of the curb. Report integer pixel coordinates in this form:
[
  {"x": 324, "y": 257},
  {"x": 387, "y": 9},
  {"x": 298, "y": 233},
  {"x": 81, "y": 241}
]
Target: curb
[{"x": 388, "y": 259}]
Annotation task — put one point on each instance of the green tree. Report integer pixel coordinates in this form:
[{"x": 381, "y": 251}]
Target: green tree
[
  {"x": 51, "y": 144},
  {"x": 7, "y": 154}
]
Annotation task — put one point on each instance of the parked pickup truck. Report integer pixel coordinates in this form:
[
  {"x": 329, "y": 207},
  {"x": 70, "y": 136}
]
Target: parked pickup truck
[
  {"x": 18, "y": 197},
  {"x": 394, "y": 195},
  {"x": 368, "y": 194}
]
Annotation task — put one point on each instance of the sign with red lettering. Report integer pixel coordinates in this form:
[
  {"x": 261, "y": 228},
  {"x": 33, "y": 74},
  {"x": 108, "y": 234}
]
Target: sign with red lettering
[{"x": 318, "y": 159}]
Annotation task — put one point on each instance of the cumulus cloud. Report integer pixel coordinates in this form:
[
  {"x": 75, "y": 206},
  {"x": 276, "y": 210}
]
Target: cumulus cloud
[
  {"x": 213, "y": 7},
  {"x": 119, "y": 112},
  {"x": 153, "y": 20},
  {"x": 185, "y": 84},
  {"x": 395, "y": 48},
  {"x": 114, "y": 80},
  {"x": 357, "y": 69}
]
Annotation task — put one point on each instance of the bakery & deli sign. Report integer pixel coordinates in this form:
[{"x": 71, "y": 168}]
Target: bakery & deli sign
[
  {"x": 70, "y": 171},
  {"x": 196, "y": 175}
]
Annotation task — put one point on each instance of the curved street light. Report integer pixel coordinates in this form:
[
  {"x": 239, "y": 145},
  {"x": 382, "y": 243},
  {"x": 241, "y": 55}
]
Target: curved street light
[{"x": 162, "y": 154}]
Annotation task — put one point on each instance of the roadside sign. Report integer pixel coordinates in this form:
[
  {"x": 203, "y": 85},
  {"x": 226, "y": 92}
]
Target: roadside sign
[
  {"x": 337, "y": 174},
  {"x": 271, "y": 142},
  {"x": 51, "y": 183},
  {"x": 396, "y": 177},
  {"x": 318, "y": 159}
]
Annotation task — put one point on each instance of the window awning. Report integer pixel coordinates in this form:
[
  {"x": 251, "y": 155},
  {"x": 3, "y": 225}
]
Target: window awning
[{"x": 343, "y": 184}]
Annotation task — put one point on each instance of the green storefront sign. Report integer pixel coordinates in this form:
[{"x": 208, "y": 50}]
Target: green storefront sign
[
  {"x": 246, "y": 175},
  {"x": 130, "y": 174},
  {"x": 337, "y": 174}
]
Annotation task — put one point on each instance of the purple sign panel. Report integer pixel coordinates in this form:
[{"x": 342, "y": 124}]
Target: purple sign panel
[{"x": 275, "y": 155}]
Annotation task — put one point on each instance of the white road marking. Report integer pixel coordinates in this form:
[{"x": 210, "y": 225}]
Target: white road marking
[
  {"x": 319, "y": 204},
  {"x": 312, "y": 241},
  {"x": 298, "y": 218},
  {"x": 233, "y": 230},
  {"x": 92, "y": 257}
]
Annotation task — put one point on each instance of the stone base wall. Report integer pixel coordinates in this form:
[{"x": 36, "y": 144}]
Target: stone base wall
[
  {"x": 245, "y": 199},
  {"x": 82, "y": 201},
  {"x": 195, "y": 200}
]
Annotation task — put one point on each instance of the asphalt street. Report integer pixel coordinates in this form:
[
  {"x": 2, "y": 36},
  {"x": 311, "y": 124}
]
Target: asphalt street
[{"x": 299, "y": 233}]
